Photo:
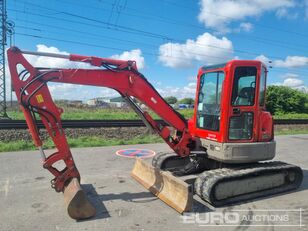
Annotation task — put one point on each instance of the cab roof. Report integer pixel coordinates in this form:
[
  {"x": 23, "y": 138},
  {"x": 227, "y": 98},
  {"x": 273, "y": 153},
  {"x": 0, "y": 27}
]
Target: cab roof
[{"x": 222, "y": 65}]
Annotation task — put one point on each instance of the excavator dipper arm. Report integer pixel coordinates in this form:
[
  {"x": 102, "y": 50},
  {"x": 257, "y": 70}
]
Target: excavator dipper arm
[{"x": 30, "y": 85}]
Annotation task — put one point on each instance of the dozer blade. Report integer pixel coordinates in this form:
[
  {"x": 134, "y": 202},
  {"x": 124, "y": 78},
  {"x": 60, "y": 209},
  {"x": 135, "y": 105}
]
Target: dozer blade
[
  {"x": 78, "y": 206},
  {"x": 171, "y": 190}
]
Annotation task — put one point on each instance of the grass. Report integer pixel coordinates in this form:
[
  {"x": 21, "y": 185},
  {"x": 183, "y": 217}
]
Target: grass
[
  {"x": 71, "y": 113},
  {"x": 108, "y": 114},
  {"x": 88, "y": 113},
  {"x": 99, "y": 114},
  {"x": 86, "y": 141},
  {"x": 292, "y": 116},
  {"x": 94, "y": 141}
]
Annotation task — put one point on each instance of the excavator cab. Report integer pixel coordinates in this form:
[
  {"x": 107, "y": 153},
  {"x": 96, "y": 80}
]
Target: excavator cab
[{"x": 230, "y": 116}]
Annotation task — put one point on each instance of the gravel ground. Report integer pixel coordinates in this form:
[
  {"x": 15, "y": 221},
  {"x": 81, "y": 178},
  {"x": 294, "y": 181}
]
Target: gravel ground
[
  {"x": 108, "y": 133},
  {"x": 285, "y": 127}
]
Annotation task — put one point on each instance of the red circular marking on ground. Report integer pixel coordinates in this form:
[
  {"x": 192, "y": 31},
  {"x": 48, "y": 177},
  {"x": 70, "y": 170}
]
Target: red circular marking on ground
[{"x": 133, "y": 153}]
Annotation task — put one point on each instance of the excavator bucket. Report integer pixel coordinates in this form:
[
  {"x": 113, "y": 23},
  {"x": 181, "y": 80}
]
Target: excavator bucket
[
  {"x": 171, "y": 190},
  {"x": 78, "y": 206}
]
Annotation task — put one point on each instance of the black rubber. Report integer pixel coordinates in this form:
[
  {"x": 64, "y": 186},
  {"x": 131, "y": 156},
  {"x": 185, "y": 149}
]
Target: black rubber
[
  {"x": 180, "y": 166},
  {"x": 207, "y": 181},
  {"x": 169, "y": 161}
]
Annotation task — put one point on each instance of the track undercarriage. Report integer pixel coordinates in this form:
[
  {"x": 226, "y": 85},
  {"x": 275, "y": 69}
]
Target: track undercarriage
[{"x": 220, "y": 184}]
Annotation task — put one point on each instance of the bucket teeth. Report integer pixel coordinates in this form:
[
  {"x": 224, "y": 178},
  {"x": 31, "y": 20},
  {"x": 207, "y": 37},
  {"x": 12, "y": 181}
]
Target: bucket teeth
[
  {"x": 170, "y": 189},
  {"x": 78, "y": 206}
]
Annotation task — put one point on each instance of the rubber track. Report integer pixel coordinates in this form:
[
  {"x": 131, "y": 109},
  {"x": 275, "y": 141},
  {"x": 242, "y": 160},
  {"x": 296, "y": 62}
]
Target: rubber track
[
  {"x": 207, "y": 181},
  {"x": 160, "y": 157}
]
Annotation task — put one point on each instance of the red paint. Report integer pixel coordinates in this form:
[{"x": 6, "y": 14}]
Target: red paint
[{"x": 262, "y": 119}]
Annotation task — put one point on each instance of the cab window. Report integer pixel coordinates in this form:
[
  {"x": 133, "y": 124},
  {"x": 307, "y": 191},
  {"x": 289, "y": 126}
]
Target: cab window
[
  {"x": 244, "y": 86},
  {"x": 208, "y": 112}
]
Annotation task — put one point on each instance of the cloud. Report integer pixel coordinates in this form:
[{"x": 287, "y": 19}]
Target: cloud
[
  {"x": 290, "y": 79},
  {"x": 292, "y": 61},
  {"x": 79, "y": 92},
  {"x": 293, "y": 82},
  {"x": 135, "y": 55},
  {"x": 290, "y": 75},
  {"x": 263, "y": 59},
  {"x": 188, "y": 91},
  {"x": 284, "y": 13},
  {"x": 218, "y": 14},
  {"x": 246, "y": 26},
  {"x": 206, "y": 48},
  {"x": 288, "y": 62}
]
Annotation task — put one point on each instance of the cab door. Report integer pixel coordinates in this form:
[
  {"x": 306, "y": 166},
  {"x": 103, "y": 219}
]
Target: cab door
[
  {"x": 243, "y": 110},
  {"x": 208, "y": 105}
]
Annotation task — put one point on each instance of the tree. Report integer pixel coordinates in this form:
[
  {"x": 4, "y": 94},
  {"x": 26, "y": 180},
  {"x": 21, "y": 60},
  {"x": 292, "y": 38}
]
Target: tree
[
  {"x": 171, "y": 99},
  {"x": 281, "y": 99},
  {"x": 189, "y": 101}
]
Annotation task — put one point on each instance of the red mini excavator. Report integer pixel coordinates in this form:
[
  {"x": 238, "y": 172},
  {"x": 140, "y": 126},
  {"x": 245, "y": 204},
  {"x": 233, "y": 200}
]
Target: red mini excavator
[{"x": 221, "y": 147}]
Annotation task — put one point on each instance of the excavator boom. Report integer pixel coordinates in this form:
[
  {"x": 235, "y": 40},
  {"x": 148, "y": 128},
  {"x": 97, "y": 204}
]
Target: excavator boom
[{"x": 30, "y": 85}]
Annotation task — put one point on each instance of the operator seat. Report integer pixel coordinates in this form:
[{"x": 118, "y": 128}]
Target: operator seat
[{"x": 245, "y": 97}]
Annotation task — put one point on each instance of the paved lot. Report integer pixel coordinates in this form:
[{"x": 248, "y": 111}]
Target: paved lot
[{"x": 28, "y": 203}]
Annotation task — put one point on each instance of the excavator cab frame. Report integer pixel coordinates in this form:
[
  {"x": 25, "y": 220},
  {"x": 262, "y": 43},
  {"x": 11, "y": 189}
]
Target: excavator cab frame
[
  {"x": 227, "y": 92},
  {"x": 230, "y": 117}
]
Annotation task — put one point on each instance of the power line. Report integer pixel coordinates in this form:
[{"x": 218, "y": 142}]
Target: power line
[
  {"x": 181, "y": 23},
  {"x": 231, "y": 18},
  {"x": 125, "y": 41},
  {"x": 111, "y": 48},
  {"x": 158, "y": 36},
  {"x": 29, "y": 28},
  {"x": 84, "y": 33},
  {"x": 82, "y": 17},
  {"x": 119, "y": 49},
  {"x": 204, "y": 55},
  {"x": 108, "y": 24}
]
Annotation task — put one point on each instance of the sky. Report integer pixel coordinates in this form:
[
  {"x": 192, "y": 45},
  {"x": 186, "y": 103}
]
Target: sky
[{"x": 169, "y": 39}]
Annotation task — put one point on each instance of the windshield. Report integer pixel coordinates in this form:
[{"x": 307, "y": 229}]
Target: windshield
[
  {"x": 208, "y": 112},
  {"x": 244, "y": 86}
]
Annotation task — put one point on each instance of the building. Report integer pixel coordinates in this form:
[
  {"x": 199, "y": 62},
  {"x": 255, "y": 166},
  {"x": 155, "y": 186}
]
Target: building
[
  {"x": 67, "y": 102},
  {"x": 98, "y": 102},
  {"x": 117, "y": 102}
]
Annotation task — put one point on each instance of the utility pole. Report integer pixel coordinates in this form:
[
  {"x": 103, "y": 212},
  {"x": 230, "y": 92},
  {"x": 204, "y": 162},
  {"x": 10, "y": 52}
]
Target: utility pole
[{"x": 6, "y": 28}]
